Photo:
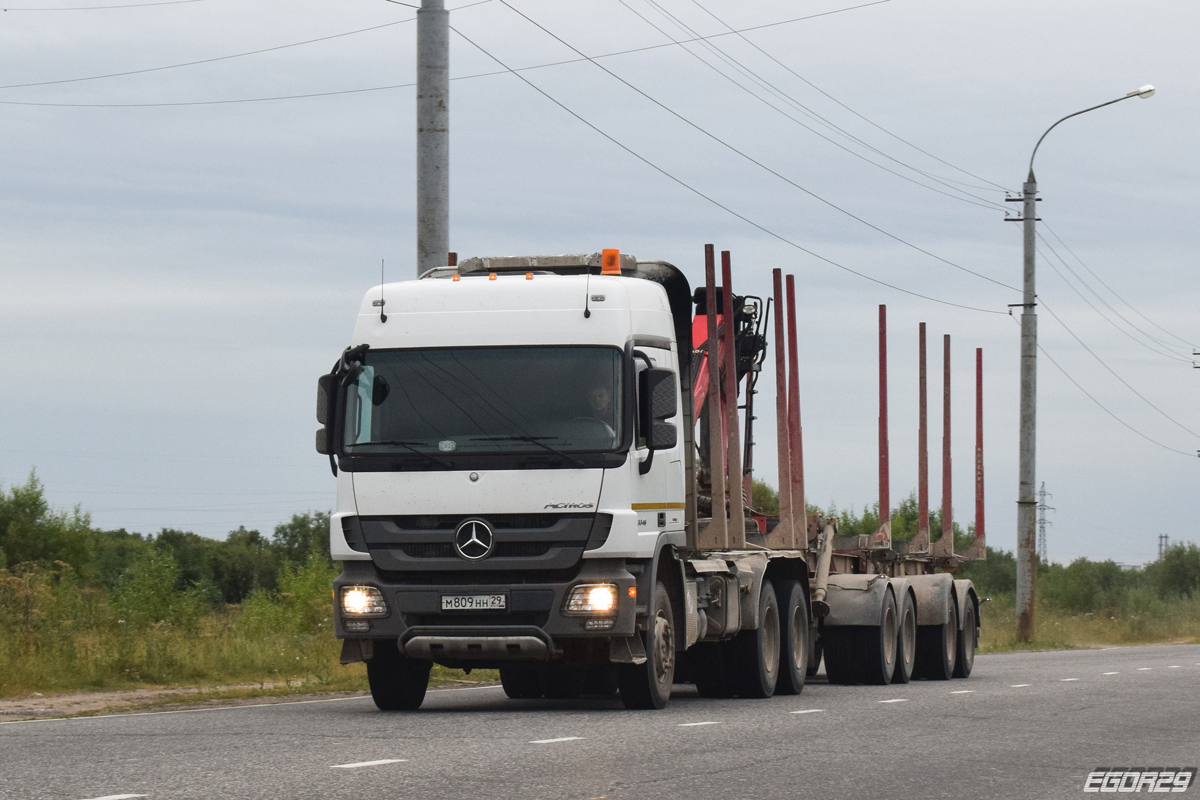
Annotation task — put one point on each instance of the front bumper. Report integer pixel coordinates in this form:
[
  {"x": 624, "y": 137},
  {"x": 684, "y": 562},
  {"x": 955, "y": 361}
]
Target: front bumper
[{"x": 532, "y": 627}]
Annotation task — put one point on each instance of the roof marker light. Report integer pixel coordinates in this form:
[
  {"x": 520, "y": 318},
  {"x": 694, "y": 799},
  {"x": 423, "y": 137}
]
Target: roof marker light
[
  {"x": 610, "y": 261},
  {"x": 455, "y": 277},
  {"x": 491, "y": 276},
  {"x": 528, "y": 276}
]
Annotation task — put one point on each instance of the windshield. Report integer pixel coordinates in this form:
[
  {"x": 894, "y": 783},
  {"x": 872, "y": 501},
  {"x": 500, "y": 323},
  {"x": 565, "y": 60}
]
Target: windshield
[{"x": 485, "y": 400}]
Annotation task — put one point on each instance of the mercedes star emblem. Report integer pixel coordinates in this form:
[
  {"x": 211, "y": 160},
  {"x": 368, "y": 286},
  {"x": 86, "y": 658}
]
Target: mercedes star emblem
[{"x": 474, "y": 539}]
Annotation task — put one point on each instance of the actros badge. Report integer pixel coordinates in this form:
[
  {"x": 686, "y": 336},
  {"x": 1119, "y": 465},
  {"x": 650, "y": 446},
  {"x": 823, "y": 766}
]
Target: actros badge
[{"x": 474, "y": 539}]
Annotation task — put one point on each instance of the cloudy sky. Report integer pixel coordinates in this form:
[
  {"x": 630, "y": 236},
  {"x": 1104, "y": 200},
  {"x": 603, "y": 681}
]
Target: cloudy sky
[{"x": 176, "y": 269}]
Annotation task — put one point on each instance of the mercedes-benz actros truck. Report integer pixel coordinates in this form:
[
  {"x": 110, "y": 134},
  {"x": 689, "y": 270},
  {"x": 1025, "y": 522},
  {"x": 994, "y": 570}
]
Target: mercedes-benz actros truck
[{"x": 541, "y": 468}]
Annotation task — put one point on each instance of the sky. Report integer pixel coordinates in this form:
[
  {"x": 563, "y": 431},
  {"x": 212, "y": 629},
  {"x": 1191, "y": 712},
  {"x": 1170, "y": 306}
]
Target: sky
[{"x": 177, "y": 269}]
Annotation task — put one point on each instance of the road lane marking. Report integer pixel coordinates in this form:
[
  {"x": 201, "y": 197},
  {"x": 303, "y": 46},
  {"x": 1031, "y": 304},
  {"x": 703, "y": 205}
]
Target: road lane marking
[
  {"x": 809, "y": 711},
  {"x": 119, "y": 796},
  {"x": 1112, "y": 673},
  {"x": 1144, "y": 669},
  {"x": 897, "y": 700},
  {"x": 696, "y": 724},
  {"x": 1068, "y": 680},
  {"x": 369, "y": 763},
  {"x": 1018, "y": 685},
  {"x": 1173, "y": 666},
  {"x": 553, "y": 741},
  {"x": 964, "y": 691}
]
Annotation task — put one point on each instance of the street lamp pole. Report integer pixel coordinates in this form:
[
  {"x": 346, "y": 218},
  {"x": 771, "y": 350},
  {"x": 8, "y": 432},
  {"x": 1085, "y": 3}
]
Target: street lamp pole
[{"x": 1026, "y": 501}]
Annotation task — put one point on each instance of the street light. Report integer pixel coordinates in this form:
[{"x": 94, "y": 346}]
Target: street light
[{"x": 1026, "y": 504}]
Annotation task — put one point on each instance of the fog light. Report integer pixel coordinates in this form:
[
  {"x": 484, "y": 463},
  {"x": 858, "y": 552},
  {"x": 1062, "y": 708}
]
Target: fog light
[
  {"x": 598, "y": 624},
  {"x": 592, "y": 598},
  {"x": 357, "y": 625},
  {"x": 363, "y": 601}
]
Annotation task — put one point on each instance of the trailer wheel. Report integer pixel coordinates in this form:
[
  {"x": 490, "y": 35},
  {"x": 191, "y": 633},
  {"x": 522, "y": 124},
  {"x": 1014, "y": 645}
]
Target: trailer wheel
[
  {"x": 863, "y": 653},
  {"x": 906, "y": 642},
  {"x": 710, "y": 670},
  {"x": 965, "y": 658},
  {"x": 648, "y": 685},
  {"x": 520, "y": 683},
  {"x": 397, "y": 683},
  {"x": 754, "y": 655},
  {"x": 937, "y": 646},
  {"x": 793, "y": 630}
]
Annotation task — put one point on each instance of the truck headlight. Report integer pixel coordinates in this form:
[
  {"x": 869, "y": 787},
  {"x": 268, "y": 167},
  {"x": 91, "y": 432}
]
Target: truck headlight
[
  {"x": 592, "y": 598},
  {"x": 363, "y": 601}
]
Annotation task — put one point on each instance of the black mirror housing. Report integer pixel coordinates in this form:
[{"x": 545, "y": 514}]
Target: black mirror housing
[
  {"x": 663, "y": 436},
  {"x": 658, "y": 397}
]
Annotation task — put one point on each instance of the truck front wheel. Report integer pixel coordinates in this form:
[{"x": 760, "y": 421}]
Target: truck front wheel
[
  {"x": 648, "y": 685},
  {"x": 397, "y": 683}
]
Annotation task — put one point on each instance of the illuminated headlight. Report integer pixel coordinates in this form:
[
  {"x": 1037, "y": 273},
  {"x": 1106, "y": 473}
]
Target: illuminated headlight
[
  {"x": 592, "y": 598},
  {"x": 363, "y": 601}
]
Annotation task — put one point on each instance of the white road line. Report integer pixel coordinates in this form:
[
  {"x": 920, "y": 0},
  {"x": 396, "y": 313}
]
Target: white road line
[
  {"x": 1018, "y": 685},
  {"x": 119, "y": 796},
  {"x": 369, "y": 763},
  {"x": 809, "y": 711},
  {"x": 964, "y": 691},
  {"x": 696, "y": 724},
  {"x": 1173, "y": 666},
  {"x": 553, "y": 741},
  {"x": 1112, "y": 673},
  {"x": 1144, "y": 669},
  {"x": 897, "y": 700},
  {"x": 1068, "y": 680}
]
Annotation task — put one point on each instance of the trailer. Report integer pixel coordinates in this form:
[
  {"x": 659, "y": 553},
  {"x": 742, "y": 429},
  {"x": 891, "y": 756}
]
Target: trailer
[{"x": 544, "y": 465}]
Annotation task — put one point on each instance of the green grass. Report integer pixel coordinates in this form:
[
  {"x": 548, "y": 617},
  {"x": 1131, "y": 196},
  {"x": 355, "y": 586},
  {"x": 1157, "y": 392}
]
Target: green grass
[{"x": 1172, "y": 622}]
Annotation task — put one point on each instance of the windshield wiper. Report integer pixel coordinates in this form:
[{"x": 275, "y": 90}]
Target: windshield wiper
[
  {"x": 535, "y": 440},
  {"x": 411, "y": 447}
]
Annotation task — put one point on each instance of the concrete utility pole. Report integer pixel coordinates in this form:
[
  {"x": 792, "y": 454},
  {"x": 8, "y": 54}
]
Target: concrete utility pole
[
  {"x": 433, "y": 135},
  {"x": 1026, "y": 504}
]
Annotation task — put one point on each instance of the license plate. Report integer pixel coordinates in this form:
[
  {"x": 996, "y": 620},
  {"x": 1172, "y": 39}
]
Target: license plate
[{"x": 474, "y": 602}]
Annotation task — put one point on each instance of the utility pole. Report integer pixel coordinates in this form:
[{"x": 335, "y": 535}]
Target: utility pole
[
  {"x": 1043, "y": 522},
  {"x": 433, "y": 135},
  {"x": 1026, "y": 505},
  {"x": 1164, "y": 542}
]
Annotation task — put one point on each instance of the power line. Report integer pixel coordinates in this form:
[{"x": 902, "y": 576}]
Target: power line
[
  {"x": 1113, "y": 372},
  {"x": 397, "y": 85},
  {"x": 750, "y": 158},
  {"x": 1104, "y": 408},
  {"x": 662, "y": 171},
  {"x": 1050, "y": 262},
  {"x": 848, "y": 108},
  {"x": 1114, "y": 292},
  {"x": 810, "y": 113}
]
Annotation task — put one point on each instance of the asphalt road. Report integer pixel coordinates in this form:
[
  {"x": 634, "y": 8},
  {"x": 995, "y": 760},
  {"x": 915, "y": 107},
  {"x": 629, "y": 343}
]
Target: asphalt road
[{"x": 1029, "y": 725}]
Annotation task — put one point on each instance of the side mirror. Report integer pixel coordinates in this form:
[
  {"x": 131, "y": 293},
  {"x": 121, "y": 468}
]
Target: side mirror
[
  {"x": 658, "y": 396},
  {"x": 326, "y": 386}
]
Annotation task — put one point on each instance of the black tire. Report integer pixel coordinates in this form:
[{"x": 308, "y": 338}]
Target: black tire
[
  {"x": 710, "y": 670},
  {"x": 521, "y": 683},
  {"x": 877, "y": 649},
  {"x": 754, "y": 655},
  {"x": 964, "y": 661},
  {"x": 561, "y": 682},
  {"x": 840, "y": 646},
  {"x": 649, "y": 685},
  {"x": 815, "y": 653},
  {"x": 937, "y": 647},
  {"x": 793, "y": 637},
  {"x": 906, "y": 641},
  {"x": 397, "y": 683},
  {"x": 601, "y": 681}
]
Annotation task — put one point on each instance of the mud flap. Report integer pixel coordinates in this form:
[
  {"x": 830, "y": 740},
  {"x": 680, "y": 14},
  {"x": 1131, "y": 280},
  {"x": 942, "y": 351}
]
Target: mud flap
[
  {"x": 627, "y": 650},
  {"x": 356, "y": 650}
]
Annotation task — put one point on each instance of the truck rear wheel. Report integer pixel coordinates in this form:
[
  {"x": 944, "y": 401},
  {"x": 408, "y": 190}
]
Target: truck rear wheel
[
  {"x": 397, "y": 683},
  {"x": 937, "y": 646},
  {"x": 814, "y": 659},
  {"x": 648, "y": 685},
  {"x": 710, "y": 670},
  {"x": 794, "y": 655},
  {"x": 521, "y": 683},
  {"x": 965, "y": 658},
  {"x": 863, "y": 653},
  {"x": 906, "y": 642},
  {"x": 754, "y": 655}
]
